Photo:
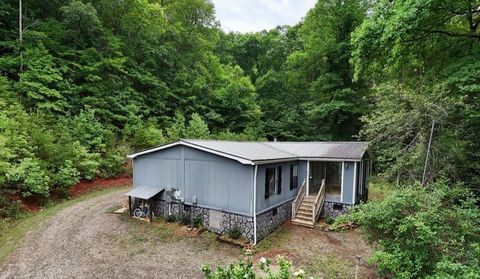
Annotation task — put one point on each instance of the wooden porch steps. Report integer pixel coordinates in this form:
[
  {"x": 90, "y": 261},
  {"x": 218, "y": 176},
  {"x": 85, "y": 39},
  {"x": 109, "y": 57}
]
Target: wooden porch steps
[
  {"x": 306, "y": 209},
  {"x": 304, "y": 223}
]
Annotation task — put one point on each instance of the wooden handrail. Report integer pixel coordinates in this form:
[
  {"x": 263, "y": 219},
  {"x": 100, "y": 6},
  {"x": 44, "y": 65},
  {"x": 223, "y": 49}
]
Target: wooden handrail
[
  {"x": 319, "y": 202},
  {"x": 298, "y": 200}
]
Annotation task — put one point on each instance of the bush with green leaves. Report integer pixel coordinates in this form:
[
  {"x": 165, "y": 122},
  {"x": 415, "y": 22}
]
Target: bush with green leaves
[
  {"x": 31, "y": 177},
  {"x": 87, "y": 163},
  {"x": 185, "y": 219},
  {"x": 329, "y": 220},
  {"x": 170, "y": 218},
  {"x": 9, "y": 209},
  {"x": 143, "y": 134},
  {"x": 67, "y": 175},
  {"x": 235, "y": 233},
  {"x": 197, "y": 128},
  {"x": 423, "y": 232},
  {"x": 245, "y": 270},
  {"x": 197, "y": 221},
  {"x": 112, "y": 164}
]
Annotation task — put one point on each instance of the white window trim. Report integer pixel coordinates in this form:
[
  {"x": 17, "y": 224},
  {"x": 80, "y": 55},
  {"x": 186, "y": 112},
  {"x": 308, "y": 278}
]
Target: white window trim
[
  {"x": 308, "y": 178},
  {"x": 354, "y": 183},
  {"x": 276, "y": 180},
  {"x": 341, "y": 182},
  {"x": 255, "y": 205}
]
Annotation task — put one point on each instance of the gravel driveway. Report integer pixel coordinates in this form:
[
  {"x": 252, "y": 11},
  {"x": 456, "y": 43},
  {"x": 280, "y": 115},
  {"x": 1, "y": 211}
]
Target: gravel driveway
[{"x": 84, "y": 241}]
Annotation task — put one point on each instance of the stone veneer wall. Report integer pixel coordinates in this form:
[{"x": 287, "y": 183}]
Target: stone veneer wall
[
  {"x": 268, "y": 221},
  {"x": 329, "y": 211},
  {"x": 228, "y": 221}
]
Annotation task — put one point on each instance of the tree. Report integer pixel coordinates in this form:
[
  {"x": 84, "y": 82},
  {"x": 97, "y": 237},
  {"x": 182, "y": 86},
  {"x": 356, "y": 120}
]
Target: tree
[
  {"x": 197, "y": 128},
  {"x": 426, "y": 53},
  {"x": 422, "y": 232}
]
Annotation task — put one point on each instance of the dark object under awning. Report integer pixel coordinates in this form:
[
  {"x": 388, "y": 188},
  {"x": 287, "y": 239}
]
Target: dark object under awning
[{"x": 145, "y": 192}]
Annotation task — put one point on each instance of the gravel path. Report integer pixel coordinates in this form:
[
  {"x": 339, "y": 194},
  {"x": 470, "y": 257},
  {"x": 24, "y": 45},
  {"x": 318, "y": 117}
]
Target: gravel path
[{"x": 84, "y": 241}]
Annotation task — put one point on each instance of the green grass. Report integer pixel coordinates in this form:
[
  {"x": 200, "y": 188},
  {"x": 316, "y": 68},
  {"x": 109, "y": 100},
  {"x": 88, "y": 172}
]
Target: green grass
[
  {"x": 378, "y": 188},
  {"x": 113, "y": 208},
  {"x": 14, "y": 231},
  {"x": 275, "y": 239},
  {"x": 330, "y": 266}
]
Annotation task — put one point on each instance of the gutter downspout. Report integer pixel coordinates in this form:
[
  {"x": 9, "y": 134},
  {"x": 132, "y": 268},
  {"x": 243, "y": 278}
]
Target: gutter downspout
[{"x": 255, "y": 205}]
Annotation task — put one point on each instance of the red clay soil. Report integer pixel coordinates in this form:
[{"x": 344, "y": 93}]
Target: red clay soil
[
  {"x": 100, "y": 183},
  {"x": 28, "y": 204}
]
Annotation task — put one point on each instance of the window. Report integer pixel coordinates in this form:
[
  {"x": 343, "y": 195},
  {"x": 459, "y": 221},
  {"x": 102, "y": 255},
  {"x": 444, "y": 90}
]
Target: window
[
  {"x": 293, "y": 177},
  {"x": 273, "y": 181},
  {"x": 337, "y": 206}
]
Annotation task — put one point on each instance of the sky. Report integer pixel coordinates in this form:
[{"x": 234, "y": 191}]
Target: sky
[{"x": 255, "y": 15}]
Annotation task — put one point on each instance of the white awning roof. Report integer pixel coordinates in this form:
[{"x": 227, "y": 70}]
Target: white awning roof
[{"x": 145, "y": 192}]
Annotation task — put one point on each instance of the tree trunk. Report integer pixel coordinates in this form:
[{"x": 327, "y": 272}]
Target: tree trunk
[{"x": 20, "y": 33}]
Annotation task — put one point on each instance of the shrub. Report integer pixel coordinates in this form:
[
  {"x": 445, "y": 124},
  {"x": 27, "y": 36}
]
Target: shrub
[
  {"x": 422, "y": 232},
  {"x": 185, "y": 219},
  {"x": 112, "y": 164},
  {"x": 197, "y": 128},
  {"x": 143, "y": 134},
  {"x": 170, "y": 218},
  {"x": 197, "y": 221},
  {"x": 245, "y": 270},
  {"x": 329, "y": 220},
  {"x": 67, "y": 175},
  {"x": 235, "y": 233},
  {"x": 87, "y": 163},
  {"x": 31, "y": 177},
  {"x": 9, "y": 209}
]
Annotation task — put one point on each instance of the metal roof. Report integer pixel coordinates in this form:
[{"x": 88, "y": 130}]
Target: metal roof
[
  {"x": 249, "y": 152},
  {"x": 330, "y": 150},
  {"x": 144, "y": 192}
]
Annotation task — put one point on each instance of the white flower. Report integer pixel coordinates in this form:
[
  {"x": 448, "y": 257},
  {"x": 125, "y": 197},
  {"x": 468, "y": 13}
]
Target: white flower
[
  {"x": 263, "y": 260},
  {"x": 299, "y": 273}
]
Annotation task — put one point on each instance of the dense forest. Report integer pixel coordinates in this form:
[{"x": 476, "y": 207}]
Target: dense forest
[{"x": 83, "y": 83}]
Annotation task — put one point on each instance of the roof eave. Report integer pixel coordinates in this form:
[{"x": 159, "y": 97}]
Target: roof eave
[
  {"x": 185, "y": 143},
  {"x": 330, "y": 159}
]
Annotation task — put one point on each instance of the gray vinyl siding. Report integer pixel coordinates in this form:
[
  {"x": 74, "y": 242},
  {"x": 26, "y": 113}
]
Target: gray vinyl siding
[
  {"x": 159, "y": 169},
  {"x": 302, "y": 172},
  {"x": 286, "y": 194},
  {"x": 348, "y": 182},
  {"x": 216, "y": 182}
]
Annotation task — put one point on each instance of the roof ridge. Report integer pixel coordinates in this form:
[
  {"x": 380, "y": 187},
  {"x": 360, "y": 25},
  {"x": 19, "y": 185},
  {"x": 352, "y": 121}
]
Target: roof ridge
[
  {"x": 265, "y": 143},
  {"x": 214, "y": 149},
  {"x": 314, "y": 142}
]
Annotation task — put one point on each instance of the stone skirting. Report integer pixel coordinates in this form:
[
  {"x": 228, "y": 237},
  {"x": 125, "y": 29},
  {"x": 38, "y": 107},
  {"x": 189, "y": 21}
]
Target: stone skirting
[
  {"x": 333, "y": 209},
  {"x": 222, "y": 222},
  {"x": 268, "y": 221},
  {"x": 219, "y": 222}
]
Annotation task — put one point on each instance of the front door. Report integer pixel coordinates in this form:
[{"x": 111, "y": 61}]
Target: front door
[
  {"x": 331, "y": 172},
  {"x": 317, "y": 173}
]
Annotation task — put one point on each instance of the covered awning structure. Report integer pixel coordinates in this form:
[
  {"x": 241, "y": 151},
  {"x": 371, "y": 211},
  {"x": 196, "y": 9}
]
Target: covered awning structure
[{"x": 143, "y": 192}]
